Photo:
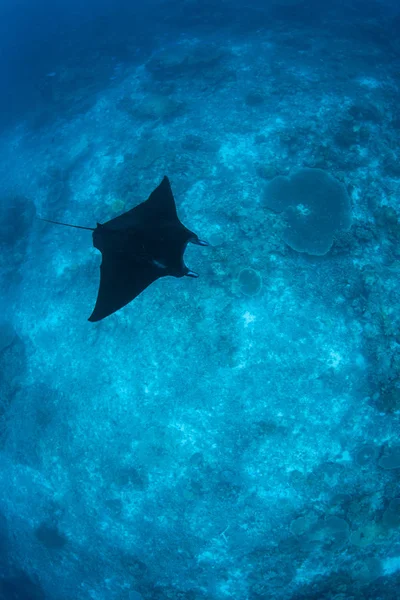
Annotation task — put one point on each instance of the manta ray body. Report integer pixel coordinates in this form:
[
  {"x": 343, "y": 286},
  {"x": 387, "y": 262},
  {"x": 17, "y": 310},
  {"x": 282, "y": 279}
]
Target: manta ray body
[{"x": 138, "y": 247}]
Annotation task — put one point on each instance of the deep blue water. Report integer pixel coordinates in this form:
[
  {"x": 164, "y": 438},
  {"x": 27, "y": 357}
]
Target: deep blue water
[{"x": 234, "y": 436}]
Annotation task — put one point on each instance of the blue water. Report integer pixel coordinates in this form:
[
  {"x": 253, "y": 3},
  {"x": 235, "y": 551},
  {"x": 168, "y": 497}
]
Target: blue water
[{"x": 234, "y": 436}]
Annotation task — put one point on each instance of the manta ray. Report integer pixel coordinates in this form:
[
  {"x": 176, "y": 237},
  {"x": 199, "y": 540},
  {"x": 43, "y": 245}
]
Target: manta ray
[{"x": 138, "y": 247}]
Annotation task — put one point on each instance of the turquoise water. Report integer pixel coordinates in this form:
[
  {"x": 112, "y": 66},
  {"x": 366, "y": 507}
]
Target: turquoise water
[{"x": 234, "y": 436}]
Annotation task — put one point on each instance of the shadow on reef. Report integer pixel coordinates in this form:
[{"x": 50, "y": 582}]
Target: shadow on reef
[
  {"x": 17, "y": 215},
  {"x": 13, "y": 368},
  {"x": 20, "y": 587},
  {"x": 15, "y": 584}
]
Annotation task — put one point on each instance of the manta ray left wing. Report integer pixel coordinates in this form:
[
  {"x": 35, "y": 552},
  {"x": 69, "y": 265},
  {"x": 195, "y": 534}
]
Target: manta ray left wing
[{"x": 122, "y": 279}]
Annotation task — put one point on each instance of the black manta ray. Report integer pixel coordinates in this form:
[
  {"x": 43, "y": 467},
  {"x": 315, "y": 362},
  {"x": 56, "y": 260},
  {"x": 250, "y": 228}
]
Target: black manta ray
[{"x": 139, "y": 247}]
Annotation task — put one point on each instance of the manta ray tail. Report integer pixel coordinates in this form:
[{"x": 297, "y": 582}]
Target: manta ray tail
[{"x": 67, "y": 224}]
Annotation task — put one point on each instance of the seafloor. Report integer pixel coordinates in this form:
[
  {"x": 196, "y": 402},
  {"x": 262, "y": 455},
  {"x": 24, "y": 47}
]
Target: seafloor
[{"x": 234, "y": 436}]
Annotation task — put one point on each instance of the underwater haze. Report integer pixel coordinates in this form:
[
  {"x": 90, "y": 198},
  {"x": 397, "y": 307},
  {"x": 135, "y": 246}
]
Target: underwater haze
[{"x": 231, "y": 436}]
